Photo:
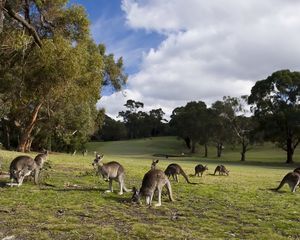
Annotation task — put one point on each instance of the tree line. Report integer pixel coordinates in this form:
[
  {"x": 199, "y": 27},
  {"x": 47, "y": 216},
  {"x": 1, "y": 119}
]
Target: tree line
[{"x": 270, "y": 113}]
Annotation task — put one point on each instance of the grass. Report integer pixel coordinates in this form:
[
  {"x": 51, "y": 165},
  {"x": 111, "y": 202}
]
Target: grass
[{"x": 73, "y": 204}]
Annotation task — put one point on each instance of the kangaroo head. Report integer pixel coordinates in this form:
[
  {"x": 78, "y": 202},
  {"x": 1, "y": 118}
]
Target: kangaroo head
[
  {"x": 154, "y": 162},
  {"x": 136, "y": 195},
  {"x": 98, "y": 159}
]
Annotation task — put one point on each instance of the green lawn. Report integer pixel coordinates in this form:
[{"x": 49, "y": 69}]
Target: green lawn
[{"x": 73, "y": 204}]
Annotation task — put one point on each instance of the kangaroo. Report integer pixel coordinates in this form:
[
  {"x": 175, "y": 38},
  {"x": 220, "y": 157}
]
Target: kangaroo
[
  {"x": 153, "y": 180},
  {"x": 174, "y": 170},
  {"x": 21, "y": 167},
  {"x": 297, "y": 169},
  {"x": 111, "y": 171},
  {"x": 222, "y": 170},
  {"x": 40, "y": 159},
  {"x": 200, "y": 169},
  {"x": 292, "y": 179},
  {"x": 153, "y": 164}
]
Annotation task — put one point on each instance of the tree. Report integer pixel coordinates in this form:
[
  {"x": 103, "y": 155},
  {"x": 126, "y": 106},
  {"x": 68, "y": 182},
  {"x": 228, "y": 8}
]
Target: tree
[
  {"x": 55, "y": 61},
  {"x": 232, "y": 125},
  {"x": 276, "y": 106},
  {"x": 189, "y": 122}
]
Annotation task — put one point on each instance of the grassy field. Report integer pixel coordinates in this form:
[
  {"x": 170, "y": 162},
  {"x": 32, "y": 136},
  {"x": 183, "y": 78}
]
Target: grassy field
[{"x": 72, "y": 204}]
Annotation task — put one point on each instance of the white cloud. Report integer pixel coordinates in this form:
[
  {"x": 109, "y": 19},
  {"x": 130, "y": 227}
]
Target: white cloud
[{"x": 212, "y": 48}]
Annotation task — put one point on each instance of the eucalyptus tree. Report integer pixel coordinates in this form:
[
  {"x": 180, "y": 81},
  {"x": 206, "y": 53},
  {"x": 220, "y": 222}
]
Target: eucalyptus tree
[
  {"x": 48, "y": 58},
  {"x": 189, "y": 122},
  {"x": 275, "y": 103}
]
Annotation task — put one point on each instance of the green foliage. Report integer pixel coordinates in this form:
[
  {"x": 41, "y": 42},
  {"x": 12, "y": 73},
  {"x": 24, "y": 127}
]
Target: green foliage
[
  {"x": 276, "y": 105},
  {"x": 41, "y": 83}
]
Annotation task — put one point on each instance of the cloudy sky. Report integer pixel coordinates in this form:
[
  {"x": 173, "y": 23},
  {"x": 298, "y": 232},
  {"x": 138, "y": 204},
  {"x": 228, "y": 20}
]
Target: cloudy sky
[{"x": 177, "y": 51}]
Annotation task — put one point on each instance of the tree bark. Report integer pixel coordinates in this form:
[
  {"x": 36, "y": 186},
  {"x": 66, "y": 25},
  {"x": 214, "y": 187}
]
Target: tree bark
[
  {"x": 219, "y": 149},
  {"x": 205, "y": 150},
  {"x": 193, "y": 147},
  {"x": 6, "y": 133},
  {"x": 289, "y": 150},
  {"x": 26, "y": 134},
  {"x": 2, "y": 3}
]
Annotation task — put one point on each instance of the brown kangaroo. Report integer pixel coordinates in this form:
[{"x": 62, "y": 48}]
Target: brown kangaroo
[
  {"x": 154, "y": 163},
  {"x": 111, "y": 171},
  {"x": 23, "y": 166},
  {"x": 222, "y": 170},
  {"x": 174, "y": 170},
  {"x": 200, "y": 169},
  {"x": 292, "y": 179},
  {"x": 153, "y": 180}
]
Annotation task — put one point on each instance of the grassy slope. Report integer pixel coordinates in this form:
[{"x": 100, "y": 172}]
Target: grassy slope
[{"x": 240, "y": 206}]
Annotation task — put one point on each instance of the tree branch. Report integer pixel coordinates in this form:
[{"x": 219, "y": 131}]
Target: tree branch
[{"x": 21, "y": 20}]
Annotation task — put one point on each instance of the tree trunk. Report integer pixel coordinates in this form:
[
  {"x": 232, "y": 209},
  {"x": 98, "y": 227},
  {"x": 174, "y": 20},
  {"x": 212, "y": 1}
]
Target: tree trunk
[
  {"x": 205, "y": 150},
  {"x": 26, "y": 134},
  {"x": 6, "y": 133},
  {"x": 193, "y": 147},
  {"x": 2, "y": 3},
  {"x": 219, "y": 149},
  {"x": 187, "y": 141},
  {"x": 244, "y": 150},
  {"x": 289, "y": 150}
]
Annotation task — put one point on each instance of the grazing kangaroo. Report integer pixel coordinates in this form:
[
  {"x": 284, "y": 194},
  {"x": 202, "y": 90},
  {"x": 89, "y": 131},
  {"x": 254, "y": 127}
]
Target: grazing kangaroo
[
  {"x": 23, "y": 166},
  {"x": 111, "y": 171},
  {"x": 222, "y": 170},
  {"x": 200, "y": 169},
  {"x": 153, "y": 164},
  {"x": 174, "y": 170},
  {"x": 153, "y": 180},
  {"x": 292, "y": 179}
]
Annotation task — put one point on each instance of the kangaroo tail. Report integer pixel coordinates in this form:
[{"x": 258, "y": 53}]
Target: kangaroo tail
[
  {"x": 169, "y": 189},
  {"x": 281, "y": 184},
  {"x": 185, "y": 176}
]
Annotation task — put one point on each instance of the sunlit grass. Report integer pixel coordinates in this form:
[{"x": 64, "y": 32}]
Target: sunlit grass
[{"x": 74, "y": 205}]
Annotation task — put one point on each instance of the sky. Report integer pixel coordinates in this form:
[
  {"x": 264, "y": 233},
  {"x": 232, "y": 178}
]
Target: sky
[{"x": 176, "y": 51}]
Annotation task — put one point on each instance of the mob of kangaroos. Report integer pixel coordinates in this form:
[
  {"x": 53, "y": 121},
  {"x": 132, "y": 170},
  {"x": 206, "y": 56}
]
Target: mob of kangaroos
[
  {"x": 154, "y": 180},
  {"x": 111, "y": 171},
  {"x": 23, "y": 166}
]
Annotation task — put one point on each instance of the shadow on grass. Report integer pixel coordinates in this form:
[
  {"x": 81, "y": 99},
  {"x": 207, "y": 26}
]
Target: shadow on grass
[{"x": 276, "y": 165}]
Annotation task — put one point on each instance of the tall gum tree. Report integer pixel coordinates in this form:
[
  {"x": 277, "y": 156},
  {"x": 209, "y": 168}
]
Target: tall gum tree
[
  {"x": 275, "y": 103},
  {"x": 47, "y": 56}
]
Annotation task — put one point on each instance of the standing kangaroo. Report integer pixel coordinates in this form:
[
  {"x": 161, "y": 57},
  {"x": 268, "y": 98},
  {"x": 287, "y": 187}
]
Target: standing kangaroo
[
  {"x": 111, "y": 171},
  {"x": 174, "y": 170},
  {"x": 154, "y": 163},
  {"x": 23, "y": 166},
  {"x": 153, "y": 180},
  {"x": 222, "y": 170},
  {"x": 200, "y": 169},
  {"x": 292, "y": 179}
]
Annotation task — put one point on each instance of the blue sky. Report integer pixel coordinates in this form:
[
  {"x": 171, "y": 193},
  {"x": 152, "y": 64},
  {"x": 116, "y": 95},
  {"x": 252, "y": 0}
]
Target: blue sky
[
  {"x": 176, "y": 51},
  {"x": 108, "y": 26}
]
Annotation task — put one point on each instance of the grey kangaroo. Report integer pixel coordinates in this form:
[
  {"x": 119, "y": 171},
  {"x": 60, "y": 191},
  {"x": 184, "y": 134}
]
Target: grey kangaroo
[
  {"x": 292, "y": 179},
  {"x": 174, "y": 170},
  {"x": 111, "y": 171},
  {"x": 222, "y": 170},
  {"x": 200, "y": 169},
  {"x": 153, "y": 180},
  {"x": 23, "y": 166},
  {"x": 154, "y": 163}
]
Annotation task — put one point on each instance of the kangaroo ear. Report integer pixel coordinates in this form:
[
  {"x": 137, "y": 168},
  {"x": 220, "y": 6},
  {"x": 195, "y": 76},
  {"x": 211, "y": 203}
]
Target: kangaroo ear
[{"x": 157, "y": 160}]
